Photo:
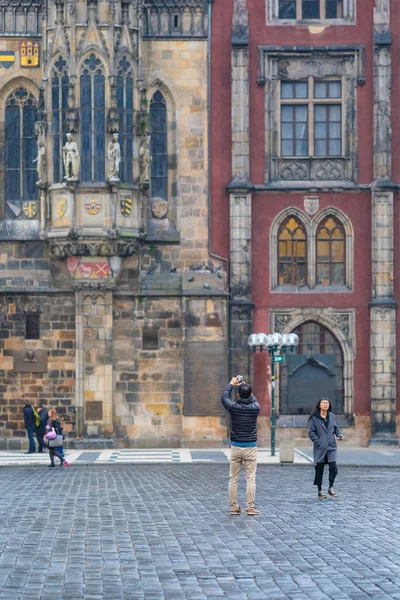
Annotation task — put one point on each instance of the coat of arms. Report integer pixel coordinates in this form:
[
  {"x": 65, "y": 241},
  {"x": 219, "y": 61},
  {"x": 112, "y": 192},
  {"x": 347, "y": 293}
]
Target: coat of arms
[
  {"x": 93, "y": 207},
  {"x": 62, "y": 208},
  {"x": 311, "y": 205},
  {"x": 126, "y": 206},
  {"x": 7, "y": 58},
  {"x": 30, "y": 209},
  {"x": 29, "y": 53}
]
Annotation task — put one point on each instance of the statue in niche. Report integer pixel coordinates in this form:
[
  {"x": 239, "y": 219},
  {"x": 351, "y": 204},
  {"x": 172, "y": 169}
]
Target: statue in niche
[
  {"x": 41, "y": 163},
  {"x": 145, "y": 160},
  {"x": 114, "y": 158},
  {"x": 71, "y": 159}
]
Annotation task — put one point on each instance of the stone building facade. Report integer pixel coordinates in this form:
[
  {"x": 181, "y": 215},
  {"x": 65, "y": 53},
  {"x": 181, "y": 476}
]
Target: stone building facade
[
  {"x": 112, "y": 307},
  {"x": 308, "y": 178}
]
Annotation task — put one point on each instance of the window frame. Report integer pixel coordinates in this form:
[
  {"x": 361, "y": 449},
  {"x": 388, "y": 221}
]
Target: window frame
[
  {"x": 59, "y": 70},
  {"x": 294, "y": 262},
  {"x": 348, "y": 14},
  {"x": 26, "y": 193},
  {"x": 154, "y": 136},
  {"x": 29, "y": 315},
  {"x": 126, "y": 93},
  {"x": 311, "y": 102},
  {"x": 311, "y": 227},
  {"x": 97, "y": 162},
  {"x": 330, "y": 261}
]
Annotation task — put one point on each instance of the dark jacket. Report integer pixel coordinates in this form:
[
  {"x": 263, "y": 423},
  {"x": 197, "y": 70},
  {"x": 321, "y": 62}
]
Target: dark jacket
[
  {"x": 56, "y": 425},
  {"x": 243, "y": 414},
  {"x": 44, "y": 417},
  {"x": 29, "y": 417},
  {"x": 323, "y": 437}
]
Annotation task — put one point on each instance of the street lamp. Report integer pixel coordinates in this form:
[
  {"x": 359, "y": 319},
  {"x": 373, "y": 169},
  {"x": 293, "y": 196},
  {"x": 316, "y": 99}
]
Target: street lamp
[{"x": 277, "y": 346}]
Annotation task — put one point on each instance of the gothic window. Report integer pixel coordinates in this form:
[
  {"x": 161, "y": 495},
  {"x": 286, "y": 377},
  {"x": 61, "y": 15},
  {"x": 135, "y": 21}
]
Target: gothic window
[
  {"x": 331, "y": 252},
  {"x": 158, "y": 146},
  {"x": 316, "y": 104},
  {"x": 313, "y": 371},
  {"x": 20, "y": 147},
  {"x": 17, "y": 19},
  {"x": 125, "y": 108},
  {"x": 59, "y": 105},
  {"x": 92, "y": 120},
  {"x": 292, "y": 253}
]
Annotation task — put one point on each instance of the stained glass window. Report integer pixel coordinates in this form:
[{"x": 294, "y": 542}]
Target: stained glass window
[
  {"x": 59, "y": 105},
  {"x": 92, "y": 121},
  {"x": 125, "y": 108},
  {"x": 292, "y": 254},
  {"x": 158, "y": 147},
  {"x": 21, "y": 146}
]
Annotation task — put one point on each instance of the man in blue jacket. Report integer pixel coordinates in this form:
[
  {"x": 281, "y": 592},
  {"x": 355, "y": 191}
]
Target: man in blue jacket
[{"x": 243, "y": 435}]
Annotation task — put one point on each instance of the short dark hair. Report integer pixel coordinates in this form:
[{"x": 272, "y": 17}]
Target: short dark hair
[{"x": 245, "y": 391}]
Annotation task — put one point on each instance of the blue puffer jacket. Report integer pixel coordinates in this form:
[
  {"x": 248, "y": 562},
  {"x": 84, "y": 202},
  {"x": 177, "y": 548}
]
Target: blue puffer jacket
[{"x": 243, "y": 414}]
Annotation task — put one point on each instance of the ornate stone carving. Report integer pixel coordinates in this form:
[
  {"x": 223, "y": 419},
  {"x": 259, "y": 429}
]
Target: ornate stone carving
[
  {"x": 41, "y": 164},
  {"x": 63, "y": 249},
  {"x": 240, "y": 22},
  {"x": 293, "y": 170},
  {"x": 159, "y": 209},
  {"x": 101, "y": 284},
  {"x": 281, "y": 320},
  {"x": 71, "y": 159},
  {"x": 145, "y": 160},
  {"x": 329, "y": 170},
  {"x": 114, "y": 158},
  {"x": 311, "y": 205},
  {"x": 343, "y": 322},
  {"x": 383, "y": 314}
]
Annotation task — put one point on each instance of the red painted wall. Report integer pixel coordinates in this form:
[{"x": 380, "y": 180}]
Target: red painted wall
[{"x": 356, "y": 205}]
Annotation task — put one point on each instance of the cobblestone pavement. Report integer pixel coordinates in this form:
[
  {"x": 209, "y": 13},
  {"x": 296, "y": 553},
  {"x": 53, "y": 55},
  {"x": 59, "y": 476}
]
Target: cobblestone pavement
[{"x": 164, "y": 532}]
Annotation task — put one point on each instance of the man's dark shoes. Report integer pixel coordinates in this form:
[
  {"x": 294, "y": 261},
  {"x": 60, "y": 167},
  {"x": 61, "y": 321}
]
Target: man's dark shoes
[
  {"x": 51, "y": 465},
  {"x": 30, "y": 452}
]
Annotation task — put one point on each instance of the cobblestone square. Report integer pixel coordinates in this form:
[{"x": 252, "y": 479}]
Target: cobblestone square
[{"x": 164, "y": 532}]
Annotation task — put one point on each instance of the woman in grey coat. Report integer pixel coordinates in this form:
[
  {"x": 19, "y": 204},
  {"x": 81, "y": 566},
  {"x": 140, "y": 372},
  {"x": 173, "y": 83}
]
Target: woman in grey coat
[{"x": 322, "y": 430}]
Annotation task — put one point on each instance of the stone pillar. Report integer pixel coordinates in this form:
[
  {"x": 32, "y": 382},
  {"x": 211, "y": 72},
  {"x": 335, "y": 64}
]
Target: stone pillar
[
  {"x": 240, "y": 276},
  {"x": 94, "y": 371},
  {"x": 382, "y": 92},
  {"x": 240, "y": 200},
  {"x": 383, "y": 305}
]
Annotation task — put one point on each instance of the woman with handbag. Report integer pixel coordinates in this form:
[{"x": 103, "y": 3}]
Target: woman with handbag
[{"x": 55, "y": 439}]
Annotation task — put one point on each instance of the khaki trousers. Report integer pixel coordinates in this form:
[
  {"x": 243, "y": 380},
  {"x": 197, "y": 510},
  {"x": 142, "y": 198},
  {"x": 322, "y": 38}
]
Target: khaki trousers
[{"x": 238, "y": 456}]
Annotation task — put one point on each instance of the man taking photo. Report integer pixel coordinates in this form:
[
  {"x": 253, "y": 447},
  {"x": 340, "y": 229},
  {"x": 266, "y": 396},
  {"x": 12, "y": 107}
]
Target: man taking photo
[{"x": 243, "y": 436}]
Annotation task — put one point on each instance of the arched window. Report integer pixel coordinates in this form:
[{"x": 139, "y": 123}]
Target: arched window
[
  {"x": 292, "y": 254},
  {"x": 59, "y": 105},
  {"x": 313, "y": 371},
  {"x": 331, "y": 252},
  {"x": 158, "y": 146},
  {"x": 125, "y": 108},
  {"x": 21, "y": 149},
  {"x": 92, "y": 121}
]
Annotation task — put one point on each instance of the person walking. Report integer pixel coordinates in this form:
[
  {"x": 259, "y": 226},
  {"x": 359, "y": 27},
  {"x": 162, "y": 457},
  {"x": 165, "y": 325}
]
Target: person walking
[
  {"x": 243, "y": 435},
  {"x": 54, "y": 423},
  {"x": 40, "y": 429},
  {"x": 323, "y": 431},
  {"x": 29, "y": 420}
]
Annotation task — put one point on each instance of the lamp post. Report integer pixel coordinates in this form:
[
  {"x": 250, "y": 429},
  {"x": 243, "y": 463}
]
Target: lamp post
[{"x": 277, "y": 346}]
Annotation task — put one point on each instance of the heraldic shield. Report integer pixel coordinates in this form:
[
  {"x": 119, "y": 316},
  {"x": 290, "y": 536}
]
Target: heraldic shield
[{"x": 126, "y": 206}]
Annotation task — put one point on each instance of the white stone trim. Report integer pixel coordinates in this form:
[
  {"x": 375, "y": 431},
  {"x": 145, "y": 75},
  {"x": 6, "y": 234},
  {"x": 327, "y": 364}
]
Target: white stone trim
[
  {"x": 311, "y": 226},
  {"x": 349, "y": 15},
  {"x": 341, "y": 323}
]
